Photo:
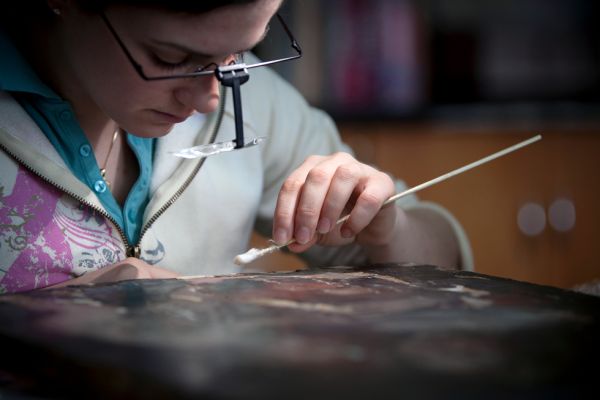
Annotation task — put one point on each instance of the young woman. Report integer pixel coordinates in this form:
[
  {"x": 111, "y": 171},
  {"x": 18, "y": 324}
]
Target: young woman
[{"x": 90, "y": 191}]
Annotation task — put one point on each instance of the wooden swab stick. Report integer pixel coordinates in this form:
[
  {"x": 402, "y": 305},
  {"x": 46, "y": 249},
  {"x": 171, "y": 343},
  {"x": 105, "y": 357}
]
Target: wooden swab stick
[{"x": 253, "y": 254}]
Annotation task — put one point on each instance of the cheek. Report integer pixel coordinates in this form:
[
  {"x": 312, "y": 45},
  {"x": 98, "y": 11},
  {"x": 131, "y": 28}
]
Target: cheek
[
  {"x": 120, "y": 99},
  {"x": 102, "y": 74}
]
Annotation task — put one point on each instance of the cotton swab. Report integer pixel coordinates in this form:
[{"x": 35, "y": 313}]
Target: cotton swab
[{"x": 254, "y": 254}]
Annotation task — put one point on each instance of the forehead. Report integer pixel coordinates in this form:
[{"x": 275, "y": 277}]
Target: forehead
[{"x": 225, "y": 29}]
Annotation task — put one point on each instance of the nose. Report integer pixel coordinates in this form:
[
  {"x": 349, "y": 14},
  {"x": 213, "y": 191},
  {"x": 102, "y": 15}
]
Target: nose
[{"x": 200, "y": 94}]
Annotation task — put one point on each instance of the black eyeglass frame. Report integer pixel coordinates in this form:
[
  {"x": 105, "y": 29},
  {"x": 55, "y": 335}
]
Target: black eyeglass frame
[
  {"x": 233, "y": 75},
  {"x": 201, "y": 72}
]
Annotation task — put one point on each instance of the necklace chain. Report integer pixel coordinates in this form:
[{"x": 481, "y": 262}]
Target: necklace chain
[{"x": 103, "y": 169}]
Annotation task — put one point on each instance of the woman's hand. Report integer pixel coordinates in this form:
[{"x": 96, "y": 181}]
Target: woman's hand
[
  {"x": 130, "y": 268},
  {"x": 325, "y": 188}
]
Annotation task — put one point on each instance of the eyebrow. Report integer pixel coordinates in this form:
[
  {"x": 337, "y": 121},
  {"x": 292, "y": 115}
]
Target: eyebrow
[{"x": 195, "y": 53}]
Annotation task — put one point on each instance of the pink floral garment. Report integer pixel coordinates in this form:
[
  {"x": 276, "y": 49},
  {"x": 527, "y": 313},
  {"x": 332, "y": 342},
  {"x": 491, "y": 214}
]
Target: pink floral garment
[{"x": 48, "y": 237}]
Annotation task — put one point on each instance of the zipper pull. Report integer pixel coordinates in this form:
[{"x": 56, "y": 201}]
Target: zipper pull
[{"x": 134, "y": 251}]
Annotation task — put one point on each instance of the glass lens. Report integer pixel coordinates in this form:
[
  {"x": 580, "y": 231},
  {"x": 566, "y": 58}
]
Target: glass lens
[
  {"x": 237, "y": 58},
  {"x": 163, "y": 64}
]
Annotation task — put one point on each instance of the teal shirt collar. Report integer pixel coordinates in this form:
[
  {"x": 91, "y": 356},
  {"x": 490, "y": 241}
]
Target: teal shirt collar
[
  {"x": 16, "y": 75},
  {"x": 56, "y": 119}
]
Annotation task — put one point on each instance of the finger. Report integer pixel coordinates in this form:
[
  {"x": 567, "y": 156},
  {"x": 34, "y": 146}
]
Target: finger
[
  {"x": 285, "y": 209},
  {"x": 341, "y": 190},
  {"x": 381, "y": 229},
  {"x": 374, "y": 192},
  {"x": 299, "y": 248},
  {"x": 310, "y": 202},
  {"x": 161, "y": 273},
  {"x": 122, "y": 271},
  {"x": 334, "y": 238}
]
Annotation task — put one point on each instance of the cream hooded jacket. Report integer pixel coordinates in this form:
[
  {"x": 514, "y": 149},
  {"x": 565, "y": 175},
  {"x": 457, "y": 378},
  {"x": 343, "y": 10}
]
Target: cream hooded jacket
[{"x": 201, "y": 211}]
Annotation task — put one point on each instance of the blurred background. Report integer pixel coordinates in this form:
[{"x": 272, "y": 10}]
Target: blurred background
[{"x": 420, "y": 87}]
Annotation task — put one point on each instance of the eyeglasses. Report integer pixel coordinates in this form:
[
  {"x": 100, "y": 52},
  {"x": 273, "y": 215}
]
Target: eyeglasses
[{"x": 232, "y": 74}]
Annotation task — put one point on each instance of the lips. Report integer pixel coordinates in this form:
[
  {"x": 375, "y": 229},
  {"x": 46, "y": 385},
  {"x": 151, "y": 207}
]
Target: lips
[{"x": 170, "y": 118}]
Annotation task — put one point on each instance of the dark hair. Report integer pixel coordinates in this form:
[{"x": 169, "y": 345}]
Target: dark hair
[
  {"x": 186, "y": 6},
  {"x": 24, "y": 11},
  {"x": 17, "y": 19}
]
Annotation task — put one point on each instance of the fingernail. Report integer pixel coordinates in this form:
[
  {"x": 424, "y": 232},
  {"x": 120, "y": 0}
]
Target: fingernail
[
  {"x": 346, "y": 233},
  {"x": 280, "y": 236},
  {"x": 324, "y": 225},
  {"x": 302, "y": 235}
]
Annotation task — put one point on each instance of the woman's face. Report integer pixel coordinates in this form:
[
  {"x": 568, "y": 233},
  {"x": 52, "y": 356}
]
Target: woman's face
[{"x": 98, "y": 78}]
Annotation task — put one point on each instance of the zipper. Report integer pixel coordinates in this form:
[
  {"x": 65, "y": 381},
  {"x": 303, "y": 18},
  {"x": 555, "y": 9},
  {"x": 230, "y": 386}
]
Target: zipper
[
  {"x": 188, "y": 181},
  {"x": 135, "y": 250},
  {"x": 75, "y": 196}
]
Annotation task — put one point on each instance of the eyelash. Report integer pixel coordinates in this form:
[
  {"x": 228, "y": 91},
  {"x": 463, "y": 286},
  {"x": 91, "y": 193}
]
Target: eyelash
[
  {"x": 171, "y": 67},
  {"x": 167, "y": 65}
]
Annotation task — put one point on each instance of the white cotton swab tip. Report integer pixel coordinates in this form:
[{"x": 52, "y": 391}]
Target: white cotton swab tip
[
  {"x": 247, "y": 257},
  {"x": 254, "y": 253}
]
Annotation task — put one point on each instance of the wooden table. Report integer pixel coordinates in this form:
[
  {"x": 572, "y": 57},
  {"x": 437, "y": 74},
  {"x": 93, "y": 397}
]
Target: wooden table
[{"x": 384, "y": 331}]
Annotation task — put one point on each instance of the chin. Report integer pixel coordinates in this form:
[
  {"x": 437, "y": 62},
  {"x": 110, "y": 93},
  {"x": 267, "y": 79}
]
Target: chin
[{"x": 151, "y": 130}]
